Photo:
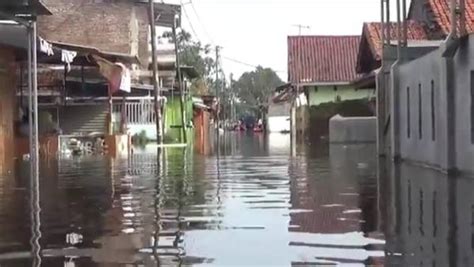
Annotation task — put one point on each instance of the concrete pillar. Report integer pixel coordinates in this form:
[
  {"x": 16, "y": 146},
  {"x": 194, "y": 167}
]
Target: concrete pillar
[
  {"x": 380, "y": 112},
  {"x": 395, "y": 111},
  {"x": 448, "y": 91}
]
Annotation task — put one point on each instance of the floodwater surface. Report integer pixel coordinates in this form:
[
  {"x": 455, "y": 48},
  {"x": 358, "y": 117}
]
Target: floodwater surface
[{"x": 260, "y": 201}]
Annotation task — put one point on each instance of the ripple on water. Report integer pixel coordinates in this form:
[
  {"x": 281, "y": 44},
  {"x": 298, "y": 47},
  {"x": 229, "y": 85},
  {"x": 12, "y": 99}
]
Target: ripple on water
[{"x": 245, "y": 208}]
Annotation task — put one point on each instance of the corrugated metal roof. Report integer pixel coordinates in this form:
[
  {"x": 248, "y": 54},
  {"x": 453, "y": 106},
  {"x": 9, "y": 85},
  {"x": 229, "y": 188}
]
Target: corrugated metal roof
[{"x": 322, "y": 59}]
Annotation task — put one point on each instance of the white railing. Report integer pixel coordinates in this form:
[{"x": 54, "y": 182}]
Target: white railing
[{"x": 138, "y": 113}]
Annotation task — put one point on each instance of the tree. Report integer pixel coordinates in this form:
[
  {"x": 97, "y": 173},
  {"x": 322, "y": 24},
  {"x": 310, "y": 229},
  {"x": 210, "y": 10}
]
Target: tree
[
  {"x": 255, "y": 88},
  {"x": 195, "y": 54}
]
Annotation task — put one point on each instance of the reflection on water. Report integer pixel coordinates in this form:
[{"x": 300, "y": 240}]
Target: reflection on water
[{"x": 259, "y": 201}]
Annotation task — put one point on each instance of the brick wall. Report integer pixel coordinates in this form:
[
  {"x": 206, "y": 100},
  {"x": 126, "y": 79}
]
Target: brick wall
[{"x": 105, "y": 26}]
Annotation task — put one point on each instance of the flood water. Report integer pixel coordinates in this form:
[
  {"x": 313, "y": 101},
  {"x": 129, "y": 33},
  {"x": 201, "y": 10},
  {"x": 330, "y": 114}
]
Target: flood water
[{"x": 260, "y": 201}]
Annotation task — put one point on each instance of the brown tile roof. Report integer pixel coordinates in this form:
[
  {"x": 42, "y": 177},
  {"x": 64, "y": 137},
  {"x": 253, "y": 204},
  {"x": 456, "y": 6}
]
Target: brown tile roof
[
  {"x": 370, "y": 48},
  {"x": 373, "y": 32},
  {"x": 440, "y": 10},
  {"x": 322, "y": 59}
]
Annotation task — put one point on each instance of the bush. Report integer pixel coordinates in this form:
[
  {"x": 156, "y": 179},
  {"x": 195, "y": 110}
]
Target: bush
[{"x": 140, "y": 139}]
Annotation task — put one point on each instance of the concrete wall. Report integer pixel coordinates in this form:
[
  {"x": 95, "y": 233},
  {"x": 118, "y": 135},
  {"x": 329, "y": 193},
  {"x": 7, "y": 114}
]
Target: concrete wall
[
  {"x": 449, "y": 146},
  {"x": 352, "y": 130},
  {"x": 464, "y": 123},
  {"x": 325, "y": 94},
  {"x": 415, "y": 77}
]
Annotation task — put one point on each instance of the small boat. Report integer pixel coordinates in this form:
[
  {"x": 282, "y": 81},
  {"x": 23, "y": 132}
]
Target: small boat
[{"x": 258, "y": 129}]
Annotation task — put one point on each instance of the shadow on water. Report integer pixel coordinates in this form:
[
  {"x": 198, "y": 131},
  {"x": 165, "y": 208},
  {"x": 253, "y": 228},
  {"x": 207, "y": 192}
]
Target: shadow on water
[{"x": 259, "y": 201}]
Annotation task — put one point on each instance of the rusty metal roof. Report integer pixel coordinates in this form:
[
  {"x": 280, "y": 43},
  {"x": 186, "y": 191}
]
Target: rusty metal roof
[{"x": 322, "y": 59}]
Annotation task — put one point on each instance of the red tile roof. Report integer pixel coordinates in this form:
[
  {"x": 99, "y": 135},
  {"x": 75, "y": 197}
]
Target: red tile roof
[
  {"x": 373, "y": 32},
  {"x": 441, "y": 13},
  {"x": 322, "y": 59}
]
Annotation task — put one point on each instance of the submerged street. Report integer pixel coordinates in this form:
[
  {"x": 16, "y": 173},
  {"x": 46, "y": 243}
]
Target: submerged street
[{"x": 261, "y": 201}]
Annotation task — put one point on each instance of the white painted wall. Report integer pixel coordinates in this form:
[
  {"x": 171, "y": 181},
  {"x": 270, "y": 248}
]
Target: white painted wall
[{"x": 278, "y": 124}]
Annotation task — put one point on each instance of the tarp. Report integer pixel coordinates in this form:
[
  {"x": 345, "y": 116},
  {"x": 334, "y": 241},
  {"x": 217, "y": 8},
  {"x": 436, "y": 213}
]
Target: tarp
[{"x": 117, "y": 75}]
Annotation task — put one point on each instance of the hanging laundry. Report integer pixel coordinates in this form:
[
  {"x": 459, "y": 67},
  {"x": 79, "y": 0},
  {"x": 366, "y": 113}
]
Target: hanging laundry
[
  {"x": 46, "y": 47},
  {"x": 126, "y": 79},
  {"x": 68, "y": 57}
]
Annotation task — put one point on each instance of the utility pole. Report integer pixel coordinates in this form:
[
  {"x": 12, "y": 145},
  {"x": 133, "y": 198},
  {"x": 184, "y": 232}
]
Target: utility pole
[
  {"x": 300, "y": 27},
  {"x": 181, "y": 85},
  {"x": 217, "y": 89},
  {"x": 232, "y": 111},
  {"x": 156, "y": 88}
]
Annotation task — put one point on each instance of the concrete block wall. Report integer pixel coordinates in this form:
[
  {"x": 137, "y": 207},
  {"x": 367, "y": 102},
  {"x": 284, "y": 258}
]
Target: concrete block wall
[
  {"x": 436, "y": 109},
  {"x": 352, "y": 129},
  {"x": 464, "y": 105},
  {"x": 417, "y": 79}
]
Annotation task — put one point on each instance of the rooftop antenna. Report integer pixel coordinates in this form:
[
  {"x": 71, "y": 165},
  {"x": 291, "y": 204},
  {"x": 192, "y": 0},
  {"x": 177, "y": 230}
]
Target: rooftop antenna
[{"x": 300, "y": 27}]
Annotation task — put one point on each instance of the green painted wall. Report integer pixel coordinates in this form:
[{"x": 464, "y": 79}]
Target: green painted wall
[
  {"x": 326, "y": 94},
  {"x": 172, "y": 120}
]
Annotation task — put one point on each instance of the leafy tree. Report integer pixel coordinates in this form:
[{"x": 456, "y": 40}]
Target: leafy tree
[
  {"x": 195, "y": 54},
  {"x": 255, "y": 88}
]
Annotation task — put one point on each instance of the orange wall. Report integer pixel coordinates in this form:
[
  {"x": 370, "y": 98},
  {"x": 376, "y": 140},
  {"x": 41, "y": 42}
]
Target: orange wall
[{"x": 8, "y": 109}]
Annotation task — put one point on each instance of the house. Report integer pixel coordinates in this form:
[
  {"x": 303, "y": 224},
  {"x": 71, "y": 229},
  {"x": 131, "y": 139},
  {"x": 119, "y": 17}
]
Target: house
[
  {"x": 436, "y": 18},
  {"x": 322, "y": 69},
  {"x": 279, "y": 112},
  {"x": 369, "y": 57},
  {"x": 120, "y": 29},
  {"x": 429, "y": 116}
]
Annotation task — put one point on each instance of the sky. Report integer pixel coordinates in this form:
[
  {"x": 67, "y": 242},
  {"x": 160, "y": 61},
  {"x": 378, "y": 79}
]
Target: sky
[{"x": 255, "y": 32}]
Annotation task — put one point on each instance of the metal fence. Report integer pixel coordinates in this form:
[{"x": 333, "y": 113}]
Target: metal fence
[{"x": 138, "y": 113}]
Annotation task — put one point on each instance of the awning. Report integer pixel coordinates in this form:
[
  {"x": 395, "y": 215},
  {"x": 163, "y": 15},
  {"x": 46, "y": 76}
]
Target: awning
[
  {"x": 111, "y": 56},
  {"x": 23, "y": 7}
]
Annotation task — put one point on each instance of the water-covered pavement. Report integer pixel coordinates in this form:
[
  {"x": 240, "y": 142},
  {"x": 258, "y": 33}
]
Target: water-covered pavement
[{"x": 260, "y": 202}]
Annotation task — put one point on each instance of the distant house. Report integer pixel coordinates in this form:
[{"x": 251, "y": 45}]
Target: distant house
[
  {"x": 324, "y": 67},
  {"x": 278, "y": 117},
  {"x": 322, "y": 74}
]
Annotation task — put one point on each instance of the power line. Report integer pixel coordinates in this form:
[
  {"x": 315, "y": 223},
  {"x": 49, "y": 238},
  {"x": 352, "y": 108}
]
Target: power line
[
  {"x": 247, "y": 64},
  {"x": 189, "y": 21},
  {"x": 200, "y": 22}
]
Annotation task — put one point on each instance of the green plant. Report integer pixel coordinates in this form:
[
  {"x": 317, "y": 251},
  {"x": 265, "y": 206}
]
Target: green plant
[
  {"x": 168, "y": 138},
  {"x": 140, "y": 139}
]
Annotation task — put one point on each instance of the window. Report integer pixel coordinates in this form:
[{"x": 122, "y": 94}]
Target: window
[
  {"x": 335, "y": 88},
  {"x": 435, "y": 206},
  {"x": 420, "y": 115},
  {"x": 408, "y": 113},
  {"x": 433, "y": 116},
  {"x": 409, "y": 206},
  {"x": 316, "y": 89},
  {"x": 421, "y": 214}
]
